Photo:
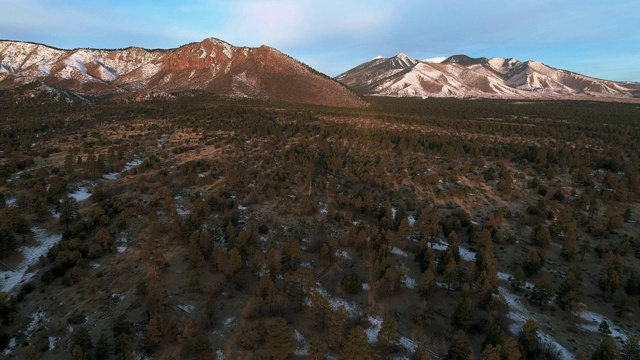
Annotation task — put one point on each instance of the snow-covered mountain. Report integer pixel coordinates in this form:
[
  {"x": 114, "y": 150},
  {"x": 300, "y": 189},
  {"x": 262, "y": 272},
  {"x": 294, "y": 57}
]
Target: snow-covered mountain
[
  {"x": 463, "y": 76},
  {"x": 211, "y": 65}
]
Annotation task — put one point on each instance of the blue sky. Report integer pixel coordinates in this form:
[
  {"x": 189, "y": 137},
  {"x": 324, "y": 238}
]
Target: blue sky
[{"x": 595, "y": 38}]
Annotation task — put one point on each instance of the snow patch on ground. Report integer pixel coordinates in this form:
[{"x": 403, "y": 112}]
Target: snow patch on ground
[
  {"x": 336, "y": 302},
  {"x": 12, "y": 345},
  {"x": 409, "y": 282},
  {"x": 82, "y": 194},
  {"x": 562, "y": 351},
  {"x": 408, "y": 344},
  {"x": 374, "y": 329},
  {"x": 308, "y": 265},
  {"x": 343, "y": 254},
  {"x": 31, "y": 255},
  {"x": 412, "y": 220},
  {"x": 396, "y": 250},
  {"x": 128, "y": 166},
  {"x": 508, "y": 278},
  {"x": 219, "y": 354},
  {"x": 465, "y": 254},
  {"x": 594, "y": 319},
  {"x": 9, "y": 202},
  {"x": 182, "y": 211},
  {"x": 123, "y": 245},
  {"x": 189, "y": 309},
  {"x": 519, "y": 314},
  {"x": 365, "y": 286},
  {"x": 229, "y": 321},
  {"x": 38, "y": 318},
  {"x": 52, "y": 342},
  {"x": 303, "y": 347}
]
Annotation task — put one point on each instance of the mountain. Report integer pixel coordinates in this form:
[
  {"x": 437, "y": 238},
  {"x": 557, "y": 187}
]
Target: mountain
[
  {"x": 211, "y": 65},
  {"x": 464, "y": 76}
]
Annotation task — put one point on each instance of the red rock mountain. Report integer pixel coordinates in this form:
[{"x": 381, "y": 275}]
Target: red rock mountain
[{"x": 211, "y": 65}]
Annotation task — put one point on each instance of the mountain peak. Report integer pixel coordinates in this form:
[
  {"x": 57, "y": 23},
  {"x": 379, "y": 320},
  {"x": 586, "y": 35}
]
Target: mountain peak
[
  {"x": 211, "y": 65},
  {"x": 404, "y": 60},
  {"x": 464, "y": 60},
  {"x": 464, "y": 76}
]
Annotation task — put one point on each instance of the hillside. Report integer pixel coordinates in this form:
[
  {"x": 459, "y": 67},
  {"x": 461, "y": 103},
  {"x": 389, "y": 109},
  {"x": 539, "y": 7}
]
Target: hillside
[
  {"x": 211, "y": 65},
  {"x": 460, "y": 76}
]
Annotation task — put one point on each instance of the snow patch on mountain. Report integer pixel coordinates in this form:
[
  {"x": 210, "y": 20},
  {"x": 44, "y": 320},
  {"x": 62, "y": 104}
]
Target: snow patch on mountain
[{"x": 435, "y": 60}]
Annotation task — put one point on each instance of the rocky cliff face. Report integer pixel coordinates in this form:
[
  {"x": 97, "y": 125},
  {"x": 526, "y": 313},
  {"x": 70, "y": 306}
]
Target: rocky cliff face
[{"x": 211, "y": 65}]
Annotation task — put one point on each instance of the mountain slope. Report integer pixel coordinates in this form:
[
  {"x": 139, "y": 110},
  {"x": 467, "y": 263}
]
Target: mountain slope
[
  {"x": 464, "y": 76},
  {"x": 211, "y": 65}
]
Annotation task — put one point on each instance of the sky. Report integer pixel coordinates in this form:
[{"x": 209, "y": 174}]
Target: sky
[{"x": 595, "y": 38}]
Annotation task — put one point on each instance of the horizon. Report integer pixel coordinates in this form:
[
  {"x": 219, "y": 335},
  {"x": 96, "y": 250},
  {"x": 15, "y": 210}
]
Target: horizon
[{"x": 596, "y": 40}]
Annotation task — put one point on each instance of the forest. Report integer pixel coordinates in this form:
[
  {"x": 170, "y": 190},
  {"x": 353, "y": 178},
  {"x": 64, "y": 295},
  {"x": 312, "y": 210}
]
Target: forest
[{"x": 197, "y": 227}]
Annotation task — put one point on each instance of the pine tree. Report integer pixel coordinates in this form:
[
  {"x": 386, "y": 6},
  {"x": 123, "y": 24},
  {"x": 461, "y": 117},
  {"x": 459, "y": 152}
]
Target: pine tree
[
  {"x": 69, "y": 211},
  {"x": 541, "y": 237},
  {"x": 427, "y": 284},
  {"x": 82, "y": 344},
  {"x": 337, "y": 326},
  {"x": 450, "y": 272},
  {"x": 280, "y": 340},
  {"x": 317, "y": 349},
  {"x": 568, "y": 293},
  {"x": 604, "y": 328},
  {"x": 491, "y": 352},
  {"x": 153, "y": 332},
  {"x": 631, "y": 349},
  {"x": 459, "y": 348},
  {"x": 570, "y": 245},
  {"x": 511, "y": 350},
  {"x": 234, "y": 265},
  {"x": 356, "y": 347},
  {"x": 607, "y": 350},
  {"x": 542, "y": 291},
  {"x": 388, "y": 335},
  {"x": 528, "y": 340},
  {"x": 463, "y": 313},
  {"x": 102, "y": 348}
]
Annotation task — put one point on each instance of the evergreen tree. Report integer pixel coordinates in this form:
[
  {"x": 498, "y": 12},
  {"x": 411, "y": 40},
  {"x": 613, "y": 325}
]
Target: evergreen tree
[
  {"x": 280, "y": 340},
  {"x": 528, "y": 340},
  {"x": 607, "y": 350},
  {"x": 459, "y": 348},
  {"x": 568, "y": 292},
  {"x": 542, "y": 291},
  {"x": 69, "y": 211},
  {"x": 631, "y": 349},
  {"x": 427, "y": 284},
  {"x": 337, "y": 327},
  {"x": 103, "y": 350},
  {"x": 82, "y": 344},
  {"x": 317, "y": 349},
  {"x": 388, "y": 335},
  {"x": 356, "y": 347},
  {"x": 463, "y": 313}
]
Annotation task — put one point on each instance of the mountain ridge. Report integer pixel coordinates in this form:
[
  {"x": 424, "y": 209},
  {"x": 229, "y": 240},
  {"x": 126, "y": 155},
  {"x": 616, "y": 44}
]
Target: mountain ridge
[
  {"x": 211, "y": 65},
  {"x": 462, "y": 76}
]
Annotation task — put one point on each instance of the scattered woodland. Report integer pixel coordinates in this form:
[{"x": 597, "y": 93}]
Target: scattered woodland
[{"x": 198, "y": 227}]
